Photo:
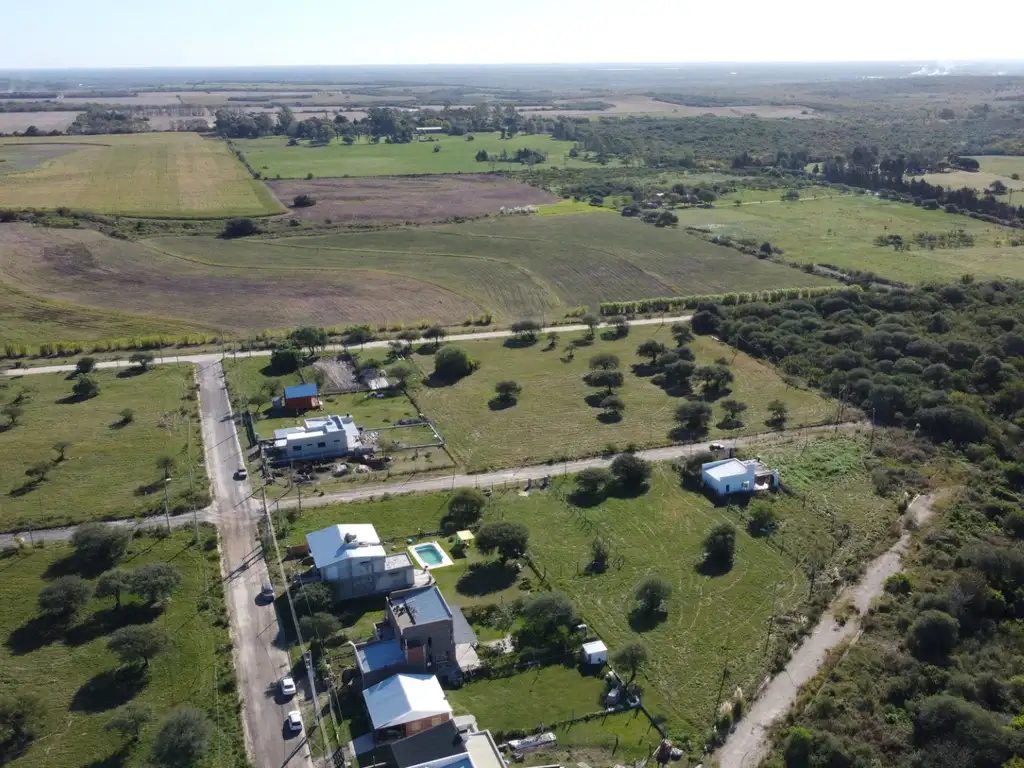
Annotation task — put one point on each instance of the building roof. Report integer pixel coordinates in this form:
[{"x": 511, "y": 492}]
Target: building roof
[
  {"x": 435, "y": 743},
  {"x": 465, "y": 536},
  {"x": 720, "y": 470},
  {"x": 594, "y": 647},
  {"x": 329, "y": 545},
  {"x": 483, "y": 750},
  {"x": 380, "y": 654},
  {"x": 300, "y": 390},
  {"x": 321, "y": 426},
  {"x": 419, "y": 606},
  {"x": 403, "y": 698}
]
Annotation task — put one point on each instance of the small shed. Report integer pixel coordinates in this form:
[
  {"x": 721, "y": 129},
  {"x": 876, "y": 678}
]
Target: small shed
[
  {"x": 465, "y": 537},
  {"x": 594, "y": 652},
  {"x": 302, "y": 397}
]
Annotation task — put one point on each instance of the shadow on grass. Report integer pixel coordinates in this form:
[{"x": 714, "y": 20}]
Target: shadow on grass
[
  {"x": 131, "y": 373},
  {"x": 73, "y": 398},
  {"x": 594, "y": 400},
  {"x": 107, "y": 620},
  {"x": 110, "y": 689},
  {"x": 36, "y": 633},
  {"x": 74, "y": 564},
  {"x": 485, "y": 578},
  {"x": 684, "y": 434},
  {"x": 586, "y": 498},
  {"x": 644, "y": 621},
  {"x": 711, "y": 395},
  {"x": 609, "y": 417},
  {"x": 114, "y": 760},
  {"x": 713, "y": 567},
  {"x": 645, "y": 370},
  {"x": 501, "y": 403},
  {"x": 728, "y": 423},
  {"x": 519, "y": 342},
  {"x": 24, "y": 489}
]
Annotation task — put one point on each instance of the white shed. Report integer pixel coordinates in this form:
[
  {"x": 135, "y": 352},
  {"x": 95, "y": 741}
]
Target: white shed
[{"x": 594, "y": 652}]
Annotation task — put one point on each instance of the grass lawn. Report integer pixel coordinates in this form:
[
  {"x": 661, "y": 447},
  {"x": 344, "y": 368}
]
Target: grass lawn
[
  {"x": 74, "y": 672},
  {"x": 273, "y": 157},
  {"x": 553, "y": 417},
  {"x": 148, "y": 174},
  {"x": 841, "y": 230},
  {"x": 1002, "y": 165},
  {"x": 979, "y": 180},
  {"x": 110, "y": 469}
]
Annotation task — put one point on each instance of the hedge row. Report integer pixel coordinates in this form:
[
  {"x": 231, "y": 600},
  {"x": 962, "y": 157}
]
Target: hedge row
[{"x": 669, "y": 303}]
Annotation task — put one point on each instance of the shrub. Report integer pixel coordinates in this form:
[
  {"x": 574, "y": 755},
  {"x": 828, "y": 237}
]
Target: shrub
[
  {"x": 183, "y": 739},
  {"x": 22, "y": 717},
  {"x": 85, "y": 365},
  {"x": 506, "y": 538},
  {"x": 64, "y": 597},
  {"x": 303, "y": 201},
  {"x": 720, "y": 546},
  {"x": 452, "y": 364},
  {"x": 652, "y": 594},
  {"x": 86, "y": 387},
  {"x": 464, "y": 508},
  {"x": 241, "y": 227},
  {"x": 99, "y": 544},
  {"x": 630, "y": 471},
  {"x": 934, "y": 634},
  {"x": 591, "y": 481}
]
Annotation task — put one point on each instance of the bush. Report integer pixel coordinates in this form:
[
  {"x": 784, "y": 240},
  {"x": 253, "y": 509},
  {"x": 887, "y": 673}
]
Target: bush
[
  {"x": 720, "y": 546},
  {"x": 85, "y": 365},
  {"x": 547, "y": 619},
  {"x": 22, "y": 717},
  {"x": 599, "y": 555},
  {"x": 464, "y": 509},
  {"x": 183, "y": 739},
  {"x": 303, "y": 201},
  {"x": 285, "y": 359},
  {"x": 452, "y": 364},
  {"x": 934, "y": 634},
  {"x": 652, "y": 594},
  {"x": 86, "y": 387},
  {"x": 65, "y": 597},
  {"x": 506, "y": 538},
  {"x": 154, "y": 582},
  {"x": 315, "y": 598},
  {"x": 240, "y": 228},
  {"x": 630, "y": 471},
  {"x": 138, "y": 643},
  {"x": 763, "y": 520},
  {"x": 319, "y": 626},
  {"x": 592, "y": 481},
  {"x": 99, "y": 544}
]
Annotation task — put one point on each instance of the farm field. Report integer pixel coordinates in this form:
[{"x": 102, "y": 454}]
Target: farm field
[
  {"x": 110, "y": 469},
  {"x": 1003, "y": 165},
  {"x": 147, "y": 174},
  {"x": 398, "y": 200},
  {"x": 645, "y": 105},
  {"x": 554, "y": 417},
  {"x": 76, "y": 676},
  {"x": 979, "y": 180},
  {"x": 273, "y": 157},
  {"x": 44, "y": 121},
  {"x": 841, "y": 230}
]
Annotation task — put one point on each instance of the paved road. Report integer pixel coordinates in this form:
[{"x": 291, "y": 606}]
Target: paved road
[
  {"x": 748, "y": 744},
  {"x": 259, "y": 661},
  {"x": 215, "y": 357},
  {"x": 539, "y": 471}
]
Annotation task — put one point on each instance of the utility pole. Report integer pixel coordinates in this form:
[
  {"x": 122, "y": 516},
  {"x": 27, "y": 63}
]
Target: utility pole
[{"x": 167, "y": 511}]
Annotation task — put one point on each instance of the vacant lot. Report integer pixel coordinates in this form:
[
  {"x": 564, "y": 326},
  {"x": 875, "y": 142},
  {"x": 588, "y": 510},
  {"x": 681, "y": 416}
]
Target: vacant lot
[
  {"x": 44, "y": 121},
  {"x": 421, "y": 199},
  {"x": 109, "y": 469},
  {"x": 841, "y": 230},
  {"x": 274, "y": 158},
  {"x": 979, "y": 180},
  {"x": 148, "y": 174},
  {"x": 557, "y": 416},
  {"x": 1003, "y": 165},
  {"x": 79, "y": 679}
]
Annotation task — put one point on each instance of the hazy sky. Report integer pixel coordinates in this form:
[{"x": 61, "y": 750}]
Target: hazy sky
[{"x": 100, "y": 33}]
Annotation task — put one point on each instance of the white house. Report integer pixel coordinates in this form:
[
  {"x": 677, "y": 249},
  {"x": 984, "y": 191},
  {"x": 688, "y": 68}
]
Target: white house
[
  {"x": 729, "y": 476},
  {"x": 404, "y": 705},
  {"x": 352, "y": 560},
  {"x": 323, "y": 437},
  {"x": 594, "y": 652}
]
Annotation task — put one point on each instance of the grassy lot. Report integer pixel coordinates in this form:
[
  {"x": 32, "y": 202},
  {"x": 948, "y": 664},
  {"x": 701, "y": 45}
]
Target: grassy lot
[
  {"x": 110, "y": 463},
  {"x": 553, "y": 417},
  {"x": 979, "y": 180},
  {"x": 841, "y": 230},
  {"x": 148, "y": 174},
  {"x": 74, "y": 672},
  {"x": 273, "y": 157},
  {"x": 1002, "y": 165}
]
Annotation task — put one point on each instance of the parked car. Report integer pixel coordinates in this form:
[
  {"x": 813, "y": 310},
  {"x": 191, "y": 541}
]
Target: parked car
[
  {"x": 287, "y": 686},
  {"x": 294, "y": 720},
  {"x": 241, "y": 473},
  {"x": 716, "y": 447},
  {"x": 267, "y": 592}
]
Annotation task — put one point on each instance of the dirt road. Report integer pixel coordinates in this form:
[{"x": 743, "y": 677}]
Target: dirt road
[{"x": 748, "y": 744}]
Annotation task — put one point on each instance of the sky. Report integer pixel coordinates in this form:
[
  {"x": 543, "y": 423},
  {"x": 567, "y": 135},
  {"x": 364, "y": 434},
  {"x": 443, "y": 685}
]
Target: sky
[{"x": 122, "y": 33}]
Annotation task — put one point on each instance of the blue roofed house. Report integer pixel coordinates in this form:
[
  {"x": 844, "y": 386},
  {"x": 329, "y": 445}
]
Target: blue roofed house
[
  {"x": 301, "y": 397},
  {"x": 727, "y": 477},
  {"x": 352, "y": 560}
]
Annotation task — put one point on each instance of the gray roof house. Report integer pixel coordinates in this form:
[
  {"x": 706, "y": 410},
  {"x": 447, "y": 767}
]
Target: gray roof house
[{"x": 351, "y": 559}]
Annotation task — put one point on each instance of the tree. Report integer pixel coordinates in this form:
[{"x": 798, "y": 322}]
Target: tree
[
  {"x": 154, "y": 582},
  {"x": 239, "y": 228},
  {"x": 183, "y": 739},
  {"x": 316, "y": 598},
  {"x": 651, "y": 348},
  {"x": 312, "y": 338},
  {"x": 303, "y": 201},
  {"x": 86, "y": 387},
  {"x": 129, "y": 721},
  {"x": 285, "y": 358},
  {"x": 112, "y": 583},
  {"x": 436, "y": 334},
  {"x": 165, "y": 464},
  {"x": 39, "y": 471},
  {"x": 356, "y": 334},
  {"x": 526, "y": 330},
  {"x": 779, "y": 413},
  {"x": 506, "y": 538},
  {"x": 142, "y": 359},
  {"x": 652, "y": 594},
  {"x": 61, "y": 448},
  {"x": 677, "y": 374},
  {"x": 409, "y": 335},
  {"x": 765, "y": 250},
  {"x": 607, "y": 379},
  {"x": 259, "y": 400},
  {"x": 85, "y": 365},
  {"x": 591, "y": 481},
  {"x": 22, "y": 717},
  {"x": 465, "y": 507},
  {"x": 137, "y": 643},
  {"x": 733, "y": 409},
  {"x": 508, "y": 391},
  {"x": 13, "y": 413},
  {"x": 763, "y": 521},
  {"x": 319, "y": 626},
  {"x": 720, "y": 546},
  {"x": 621, "y": 326},
  {"x": 630, "y": 471},
  {"x": 682, "y": 333},
  {"x": 632, "y": 657},
  {"x": 714, "y": 377},
  {"x": 694, "y": 416},
  {"x": 65, "y": 597},
  {"x": 100, "y": 544},
  {"x": 403, "y": 374},
  {"x": 599, "y": 555},
  {"x": 452, "y": 364},
  {"x": 934, "y": 634},
  {"x": 548, "y": 617},
  {"x": 127, "y": 415},
  {"x": 591, "y": 321},
  {"x": 613, "y": 406},
  {"x": 604, "y": 362}
]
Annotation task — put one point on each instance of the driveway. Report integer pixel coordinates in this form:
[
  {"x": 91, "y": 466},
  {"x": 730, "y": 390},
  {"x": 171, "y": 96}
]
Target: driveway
[{"x": 259, "y": 660}]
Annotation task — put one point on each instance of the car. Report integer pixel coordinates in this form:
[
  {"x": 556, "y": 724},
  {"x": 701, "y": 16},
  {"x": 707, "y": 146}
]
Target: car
[
  {"x": 716, "y": 447},
  {"x": 241, "y": 473},
  {"x": 294, "y": 721},
  {"x": 287, "y": 686},
  {"x": 267, "y": 591}
]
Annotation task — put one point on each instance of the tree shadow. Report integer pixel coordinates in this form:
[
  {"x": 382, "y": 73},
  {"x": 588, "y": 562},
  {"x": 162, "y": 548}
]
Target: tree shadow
[
  {"x": 614, "y": 334},
  {"x": 109, "y": 689},
  {"x": 501, "y": 403},
  {"x": 644, "y": 370},
  {"x": 729, "y": 423},
  {"x": 114, "y": 760},
  {"x": 713, "y": 567},
  {"x": 775, "y": 423},
  {"x": 75, "y": 564},
  {"x": 438, "y": 382},
  {"x": 37, "y": 632},
  {"x": 711, "y": 395},
  {"x": 684, "y": 390},
  {"x": 519, "y": 342},
  {"x": 148, "y": 489},
  {"x": 594, "y": 400},
  {"x": 644, "y": 621},
  {"x": 620, "y": 491},
  {"x": 25, "y": 488},
  {"x": 73, "y": 398},
  {"x": 119, "y": 424},
  {"x": 6, "y": 427},
  {"x": 609, "y": 417},
  {"x": 105, "y": 621},
  {"x": 426, "y": 349},
  {"x": 485, "y": 578},
  {"x": 684, "y": 434},
  {"x": 131, "y": 373},
  {"x": 586, "y": 499}
]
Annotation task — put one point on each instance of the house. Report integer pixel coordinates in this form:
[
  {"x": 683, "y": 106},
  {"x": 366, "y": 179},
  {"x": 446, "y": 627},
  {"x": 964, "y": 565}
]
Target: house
[
  {"x": 728, "y": 476},
  {"x": 404, "y": 705},
  {"x": 319, "y": 439},
  {"x": 429, "y": 129},
  {"x": 417, "y": 635},
  {"x": 301, "y": 397},
  {"x": 594, "y": 652},
  {"x": 435, "y": 743},
  {"x": 351, "y": 559},
  {"x": 480, "y": 751},
  {"x": 375, "y": 380}
]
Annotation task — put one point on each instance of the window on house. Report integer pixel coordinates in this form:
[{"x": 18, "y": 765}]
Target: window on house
[
  {"x": 727, "y": 489},
  {"x": 337, "y": 441},
  {"x": 430, "y": 642},
  {"x": 296, "y": 447},
  {"x": 321, "y": 445}
]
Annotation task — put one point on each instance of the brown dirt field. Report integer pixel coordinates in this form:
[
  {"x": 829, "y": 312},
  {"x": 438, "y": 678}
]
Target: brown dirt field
[
  {"x": 85, "y": 268},
  {"x": 407, "y": 199},
  {"x": 44, "y": 121}
]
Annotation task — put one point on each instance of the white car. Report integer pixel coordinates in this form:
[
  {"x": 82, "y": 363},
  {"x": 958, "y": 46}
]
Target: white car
[
  {"x": 287, "y": 686},
  {"x": 294, "y": 720}
]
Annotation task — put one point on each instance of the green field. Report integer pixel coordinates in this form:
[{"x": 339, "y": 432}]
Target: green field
[
  {"x": 110, "y": 469},
  {"x": 74, "y": 673},
  {"x": 841, "y": 230},
  {"x": 148, "y": 174},
  {"x": 1001, "y": 165},
  {"x": 273, "y": 157},
  {"x": 553, "y": 419}
]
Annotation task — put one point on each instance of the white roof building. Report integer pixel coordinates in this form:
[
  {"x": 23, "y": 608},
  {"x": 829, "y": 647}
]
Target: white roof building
[
  {"x": 729, "y": 476},
  {"x": 342, "y": 542},
  {"x": 405, "y": 698},
  {"x": 320, "y": 436}
]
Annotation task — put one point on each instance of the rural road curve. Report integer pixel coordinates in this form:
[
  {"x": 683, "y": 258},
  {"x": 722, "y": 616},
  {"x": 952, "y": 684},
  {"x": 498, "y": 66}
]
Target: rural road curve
[
  {"x": 748, "y": 745},
  {"x": 209, "y": 358}
]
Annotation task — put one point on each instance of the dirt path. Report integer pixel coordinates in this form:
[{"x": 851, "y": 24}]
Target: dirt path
[{"x": 748, "y": 745}]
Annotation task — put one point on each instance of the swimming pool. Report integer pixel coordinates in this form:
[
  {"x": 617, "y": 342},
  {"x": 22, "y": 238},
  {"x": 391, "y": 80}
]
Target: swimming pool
[{"x": 430, "y": 555}]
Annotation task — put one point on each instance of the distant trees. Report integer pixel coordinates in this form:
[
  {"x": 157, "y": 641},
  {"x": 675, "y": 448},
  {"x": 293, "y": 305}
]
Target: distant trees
[
  {"x": 303, "y": 201},
  {"x": 452, "y": 364},
  {"x": 241, "y": 227},
  {"x": 507, "y": 538}
]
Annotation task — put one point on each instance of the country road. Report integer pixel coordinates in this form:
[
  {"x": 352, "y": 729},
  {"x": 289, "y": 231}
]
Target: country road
[
  {"x": 748, "y": 745},
  {"x": 209, "y": 358}
]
